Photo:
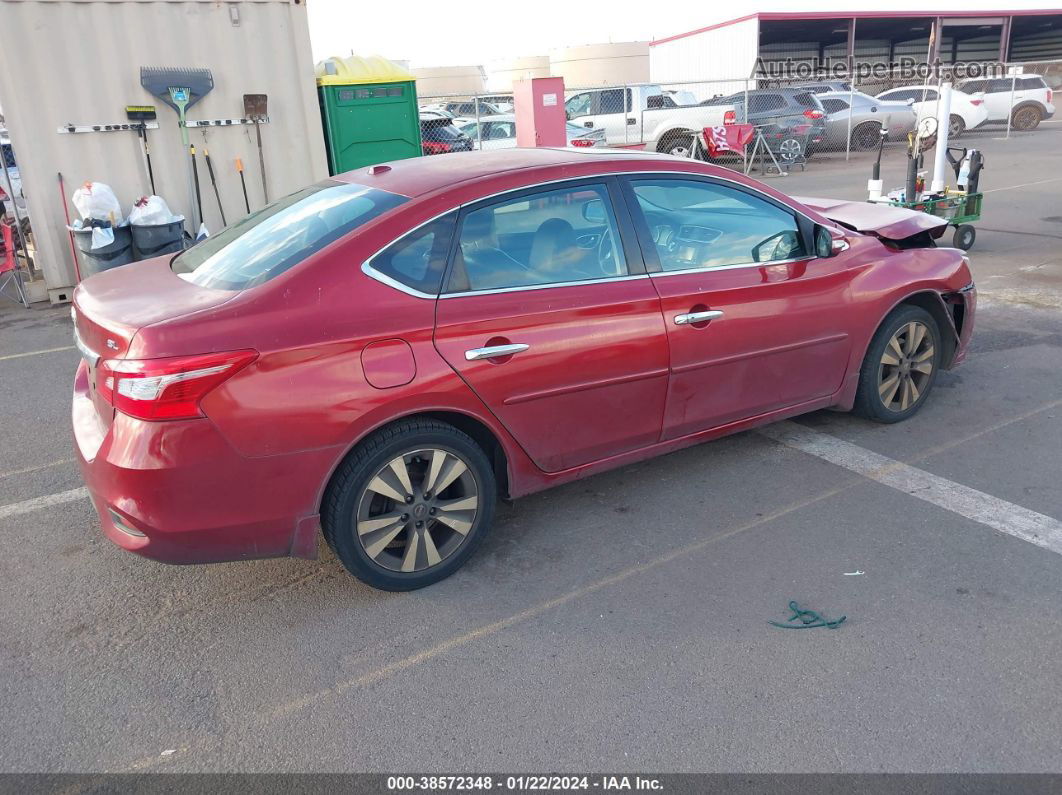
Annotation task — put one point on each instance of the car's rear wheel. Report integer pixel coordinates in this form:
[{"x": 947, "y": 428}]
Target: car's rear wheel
[
  {"x": 866, "y": 136},
  {"x": 956, "y": 127},
  {"x": 900, "y": 366},
  {"x": 678, "y": 145},
  {"x": 1027, "y": 118},
  {"x": 409, "y": 505}
]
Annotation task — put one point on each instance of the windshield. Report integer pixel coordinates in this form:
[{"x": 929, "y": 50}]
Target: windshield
[{"x": 281, "y": 235}]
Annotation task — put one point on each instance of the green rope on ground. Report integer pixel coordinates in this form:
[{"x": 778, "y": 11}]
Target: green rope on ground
[{"x": 808, "y": 619}]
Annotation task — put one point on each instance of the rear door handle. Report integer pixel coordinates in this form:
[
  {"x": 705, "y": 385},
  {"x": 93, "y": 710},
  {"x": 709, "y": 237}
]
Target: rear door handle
[
  {"x": 494, "y": 351},
  {"x": 697, "y": 317}
]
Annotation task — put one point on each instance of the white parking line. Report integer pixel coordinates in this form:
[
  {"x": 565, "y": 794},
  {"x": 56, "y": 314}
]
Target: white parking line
[
  {"x": 35, "y": 353},
  {"x": 17, "y": 508},
  {"x": 27, "y": 470},
  {"x": 1023, "y": 185},
  {"x": 1036, "y": 528}
]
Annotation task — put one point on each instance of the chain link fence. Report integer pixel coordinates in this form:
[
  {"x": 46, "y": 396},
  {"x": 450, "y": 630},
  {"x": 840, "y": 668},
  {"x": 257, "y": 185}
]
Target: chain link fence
[{"x": 793, "y": 117}]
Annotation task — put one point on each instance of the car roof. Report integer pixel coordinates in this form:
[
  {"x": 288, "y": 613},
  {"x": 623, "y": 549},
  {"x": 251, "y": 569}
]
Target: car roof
[{"x": 419, "y": 176}]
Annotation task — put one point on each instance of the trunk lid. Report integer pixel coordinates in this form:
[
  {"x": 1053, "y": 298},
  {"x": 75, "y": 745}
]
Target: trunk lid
[
  {"x": 893, "y": 224},
  {"x": 112, "y": 306}
]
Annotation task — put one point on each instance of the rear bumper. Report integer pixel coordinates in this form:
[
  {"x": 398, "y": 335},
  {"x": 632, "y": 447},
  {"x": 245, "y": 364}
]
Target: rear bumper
[{"x": 177, "y": 492}]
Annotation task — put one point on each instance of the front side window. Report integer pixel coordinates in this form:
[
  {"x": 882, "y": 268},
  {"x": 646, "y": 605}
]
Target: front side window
[
  {"x": 552, "y": 237},
  {"x": 579, "y": 105},
  {"x": 704, "y": 225},
  {"x": 834, "y": 105},
  {"x": 266, "y": 243}
]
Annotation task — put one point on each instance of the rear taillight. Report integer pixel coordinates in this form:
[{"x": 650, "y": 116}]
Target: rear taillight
[
  {"x": 582, "y": 142},
  {"x": 166, "y": 389},
  {"x": 976, "y": 102},
  {"x": 1050, "y": 96},
  {"x": 436, "y": 147},
  {"x": 810, "y": 113},
  {"x": 730, "y": 117}
]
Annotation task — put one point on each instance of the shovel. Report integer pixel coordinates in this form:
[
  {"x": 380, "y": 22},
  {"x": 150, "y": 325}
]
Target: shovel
[{"x": 254, "y": 108}]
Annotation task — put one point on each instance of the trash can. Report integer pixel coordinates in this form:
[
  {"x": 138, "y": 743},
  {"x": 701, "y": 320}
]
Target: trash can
[
  {"x": 156, "y": 240},
  {"x": 119, "y": 252},
  {"x": 369, "y": 112}
]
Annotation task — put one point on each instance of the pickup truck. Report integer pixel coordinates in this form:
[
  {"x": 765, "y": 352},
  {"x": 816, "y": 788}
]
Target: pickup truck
[{"x": 645, "y": 116}]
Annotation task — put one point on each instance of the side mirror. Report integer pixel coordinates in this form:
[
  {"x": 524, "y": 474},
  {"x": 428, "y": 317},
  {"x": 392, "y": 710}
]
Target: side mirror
[
  {"x": 594, "y": 211},
  {"x": 829, "y": 242}
]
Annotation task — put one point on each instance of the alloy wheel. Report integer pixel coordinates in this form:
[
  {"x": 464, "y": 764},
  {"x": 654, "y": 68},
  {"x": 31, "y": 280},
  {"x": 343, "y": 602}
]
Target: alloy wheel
[
  {"x": 906, "y": 366},
  {"x": 789, "y": 149},
  {"x": 417, "y": 510}
]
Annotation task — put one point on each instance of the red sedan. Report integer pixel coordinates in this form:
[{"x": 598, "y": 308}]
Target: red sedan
[{"x": 380, "y": 356}]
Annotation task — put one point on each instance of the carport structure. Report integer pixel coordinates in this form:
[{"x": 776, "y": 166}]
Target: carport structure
[{"x": 733, "y": 49}]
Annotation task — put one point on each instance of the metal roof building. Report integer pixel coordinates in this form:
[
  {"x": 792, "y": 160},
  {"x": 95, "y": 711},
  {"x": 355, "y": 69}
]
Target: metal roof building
[{"x": 730, "y": 50}]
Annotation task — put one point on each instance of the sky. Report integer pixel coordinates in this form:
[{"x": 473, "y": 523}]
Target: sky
[{"x": 431, "y": 33}]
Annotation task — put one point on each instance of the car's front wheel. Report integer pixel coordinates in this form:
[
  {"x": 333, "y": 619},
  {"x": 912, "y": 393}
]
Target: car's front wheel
[
  {"x": 409, "y": 505},
  {"x": 900, "y": 366}
]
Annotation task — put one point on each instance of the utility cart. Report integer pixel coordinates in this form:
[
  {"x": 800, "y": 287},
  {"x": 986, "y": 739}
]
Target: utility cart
[{"x": 958, "y": 209}]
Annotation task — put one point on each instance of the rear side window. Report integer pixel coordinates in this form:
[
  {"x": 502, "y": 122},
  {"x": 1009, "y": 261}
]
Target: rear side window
[
  {"x": 418, "y": 259},
  {"x": 834, "y": 105},
  {"x": 281, "y": 235},
  {"x": 1032, "y": 83},
  {"x": 765, "y": 102}
]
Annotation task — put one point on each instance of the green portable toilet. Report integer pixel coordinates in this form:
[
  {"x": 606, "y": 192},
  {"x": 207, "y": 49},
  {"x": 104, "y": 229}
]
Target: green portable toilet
[{"x": 369, "y": 111}]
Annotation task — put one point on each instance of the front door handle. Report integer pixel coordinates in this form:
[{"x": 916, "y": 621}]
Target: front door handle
[
  {"x": 495, "y": 351},
  {"x": 697, "y": 317}
]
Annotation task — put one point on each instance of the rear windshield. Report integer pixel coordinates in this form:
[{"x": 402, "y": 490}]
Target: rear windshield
[
  {"x": 442, "y": 130},
  {"x": 281, "y": 235}
]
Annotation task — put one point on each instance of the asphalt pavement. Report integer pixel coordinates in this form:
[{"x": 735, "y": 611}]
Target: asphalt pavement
[{"x": 616, "y": 624}]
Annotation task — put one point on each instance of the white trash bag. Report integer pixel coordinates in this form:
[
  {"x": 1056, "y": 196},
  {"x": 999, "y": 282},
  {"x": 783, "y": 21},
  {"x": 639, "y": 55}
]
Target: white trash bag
[
  {"x": 152, "y": 211},
  {"x": 96, "y": 201}
]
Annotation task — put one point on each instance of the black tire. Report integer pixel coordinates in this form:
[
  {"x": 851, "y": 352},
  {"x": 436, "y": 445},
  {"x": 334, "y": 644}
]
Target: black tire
[
  {"x": 866, "y": 136},
  {"x": 1027, "y": 117},
  {"x": 676, "y": 144},
  {"x": 344, "y": 498},
  {"x": 957, "y": 126},
  {"x": 874, "y": 374},
  {"x": 964, "y": 237}
]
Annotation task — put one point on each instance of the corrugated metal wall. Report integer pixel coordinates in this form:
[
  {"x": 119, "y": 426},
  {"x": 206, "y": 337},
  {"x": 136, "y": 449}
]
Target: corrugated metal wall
[
  {"x": 726, "y": 53},
  {"x": 79, "y": 61}
]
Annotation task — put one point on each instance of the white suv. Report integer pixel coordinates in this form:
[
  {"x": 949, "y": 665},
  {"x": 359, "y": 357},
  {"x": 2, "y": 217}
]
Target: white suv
[
  {"x": 1026, "y": 99},
  {"x": 967, "y": 111}
]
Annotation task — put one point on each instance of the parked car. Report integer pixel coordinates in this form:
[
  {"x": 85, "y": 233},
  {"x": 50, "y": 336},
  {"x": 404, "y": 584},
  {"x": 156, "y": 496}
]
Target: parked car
[
  {"x": 681, "y": 98},
  {"x": 791, "y": 120},
  {"x": 499, "y": 132},
  {"x": 463, "y": 108},
  {"x": 826, "y": 86},
  {"x": 382, "y": 355},
  {"x": 503, "y": 102},
  {"x": 439, "y": 136},
  {"x": 967, "y": 110},
  {"x": 1025, "y": 99},
  {"x": 869, "y": 116},
  {"x": 643, "y": 115}
]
